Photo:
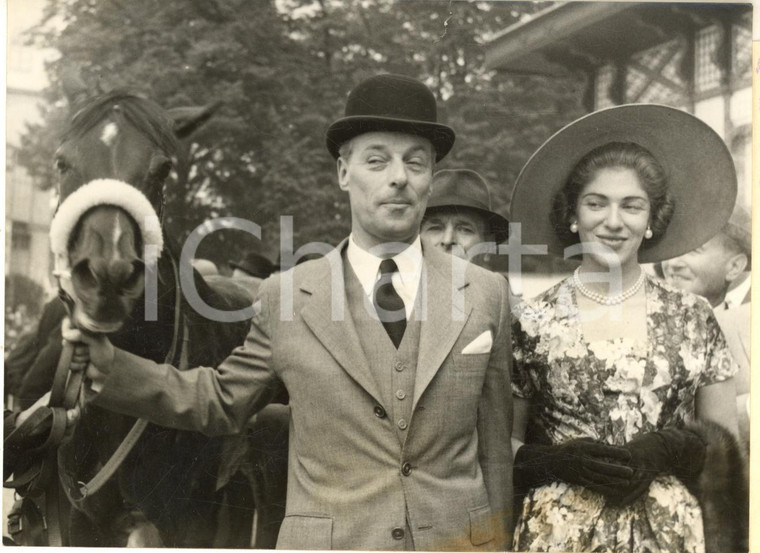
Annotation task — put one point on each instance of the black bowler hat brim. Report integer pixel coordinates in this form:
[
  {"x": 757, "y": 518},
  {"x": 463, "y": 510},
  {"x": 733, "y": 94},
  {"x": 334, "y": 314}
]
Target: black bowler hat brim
[
  {"x": 255, "y": 265},
  {"x": 344, "y": 129},
  {"x": 700, "y": 170}
]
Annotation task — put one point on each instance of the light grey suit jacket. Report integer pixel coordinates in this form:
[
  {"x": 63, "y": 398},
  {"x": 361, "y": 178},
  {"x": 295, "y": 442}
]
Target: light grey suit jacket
[{"x": 347, "y": 487}]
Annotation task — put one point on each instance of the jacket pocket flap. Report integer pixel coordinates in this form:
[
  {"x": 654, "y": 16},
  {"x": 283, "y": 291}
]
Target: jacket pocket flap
[
  {"x": 305, "y": 532},
  {"x": 481, "y": 525}
]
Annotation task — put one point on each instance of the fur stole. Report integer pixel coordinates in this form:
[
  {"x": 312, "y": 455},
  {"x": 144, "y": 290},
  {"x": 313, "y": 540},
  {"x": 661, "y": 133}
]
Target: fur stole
[{"x": 722, "y": 489}]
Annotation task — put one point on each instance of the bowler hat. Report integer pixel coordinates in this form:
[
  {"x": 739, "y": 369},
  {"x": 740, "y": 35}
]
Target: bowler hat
[
  {"x": 391, "y": 103},
  {"x": 465, "y": 188},
  {"x": 254, "y": 264},
  {"x": 699, "y": 167}
]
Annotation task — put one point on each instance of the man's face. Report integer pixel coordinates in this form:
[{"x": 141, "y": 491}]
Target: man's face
[
  {"x": 706, "y": 271},
  {"x": 454, "y": 230},
  {"x": 387, "y": 176}
]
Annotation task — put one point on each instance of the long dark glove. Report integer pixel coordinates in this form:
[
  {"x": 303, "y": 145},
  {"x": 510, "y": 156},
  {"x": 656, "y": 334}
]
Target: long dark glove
[
  {"x": 674, "y": 451},
  {"x": 600, "y": 467}
]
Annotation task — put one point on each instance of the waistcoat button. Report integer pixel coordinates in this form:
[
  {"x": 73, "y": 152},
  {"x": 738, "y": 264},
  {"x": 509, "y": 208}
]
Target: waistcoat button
[
  {"x": 398, "y": 533},
  {"x": 406, "y": 469}
]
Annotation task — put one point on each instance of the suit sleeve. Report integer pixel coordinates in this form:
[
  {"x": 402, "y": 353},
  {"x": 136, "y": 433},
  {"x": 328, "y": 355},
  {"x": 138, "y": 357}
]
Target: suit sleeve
[
  {"x": 214, "y": 401},
  {"x": 494, "y": 427}
]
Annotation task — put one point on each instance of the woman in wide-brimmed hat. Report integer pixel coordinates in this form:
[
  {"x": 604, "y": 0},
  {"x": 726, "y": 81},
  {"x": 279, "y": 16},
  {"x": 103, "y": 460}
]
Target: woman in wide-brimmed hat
[{"x": 612, "y": 367}]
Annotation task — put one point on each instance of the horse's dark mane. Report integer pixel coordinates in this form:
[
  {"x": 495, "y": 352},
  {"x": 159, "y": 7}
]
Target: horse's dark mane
[{"x": 145, "y": 115}]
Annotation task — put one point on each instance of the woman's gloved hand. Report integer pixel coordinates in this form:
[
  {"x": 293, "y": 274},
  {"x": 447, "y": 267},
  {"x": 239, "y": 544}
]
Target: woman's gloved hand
[
  {"x": 674, "y": 451},
  {"x": 600, "y": 467}
]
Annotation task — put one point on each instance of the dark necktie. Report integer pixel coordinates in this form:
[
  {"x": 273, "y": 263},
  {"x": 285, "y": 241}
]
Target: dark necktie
[{"x": 388, "y": 304}]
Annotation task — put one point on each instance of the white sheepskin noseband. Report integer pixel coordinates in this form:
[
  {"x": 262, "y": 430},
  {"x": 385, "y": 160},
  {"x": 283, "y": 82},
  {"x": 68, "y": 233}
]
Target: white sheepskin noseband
[{"x": 102, "y": 192}]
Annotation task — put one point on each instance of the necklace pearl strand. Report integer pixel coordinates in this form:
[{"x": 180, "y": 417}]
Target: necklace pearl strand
[{"x": 607, "y": 300}]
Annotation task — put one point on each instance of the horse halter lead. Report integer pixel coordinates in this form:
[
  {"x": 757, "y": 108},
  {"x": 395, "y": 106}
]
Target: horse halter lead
[{"x": 70, "y": 371}]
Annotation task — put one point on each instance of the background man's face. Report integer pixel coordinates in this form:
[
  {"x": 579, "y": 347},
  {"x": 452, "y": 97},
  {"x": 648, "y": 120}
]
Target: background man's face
[
  {"x": 701, "y": 271},
  {"x": 387, "y": 176},
  {"x": 454, "y": 230}
]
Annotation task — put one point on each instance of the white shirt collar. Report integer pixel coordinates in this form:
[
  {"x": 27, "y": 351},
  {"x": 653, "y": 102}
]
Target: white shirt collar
[
  {"x": 735, "y": 297},
  {"x": 406, "y": 282}
]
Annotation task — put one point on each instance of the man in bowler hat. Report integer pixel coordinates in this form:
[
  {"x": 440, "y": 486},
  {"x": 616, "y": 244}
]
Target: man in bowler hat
[{"x": 395, "y": 356}]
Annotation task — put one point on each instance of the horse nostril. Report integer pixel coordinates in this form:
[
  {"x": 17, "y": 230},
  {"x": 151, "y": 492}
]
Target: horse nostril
[
  {"x": 83, "y": 274},
  {"x": 135, "y": 278}
]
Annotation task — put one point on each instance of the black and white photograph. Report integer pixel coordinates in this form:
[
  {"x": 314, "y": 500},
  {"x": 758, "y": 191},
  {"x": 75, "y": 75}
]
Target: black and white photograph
[{"x": 396, "y": 275}]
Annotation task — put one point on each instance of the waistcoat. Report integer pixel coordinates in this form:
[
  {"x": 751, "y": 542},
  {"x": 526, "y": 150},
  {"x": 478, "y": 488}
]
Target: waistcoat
[{"x": 394, "y": 370}]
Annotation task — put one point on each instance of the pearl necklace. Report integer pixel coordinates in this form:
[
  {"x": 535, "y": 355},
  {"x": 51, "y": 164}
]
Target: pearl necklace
[{"x": 607, "y": 300}]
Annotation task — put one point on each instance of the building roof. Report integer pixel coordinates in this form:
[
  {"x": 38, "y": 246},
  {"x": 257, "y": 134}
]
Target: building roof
[{"x": 576, "y": 36}]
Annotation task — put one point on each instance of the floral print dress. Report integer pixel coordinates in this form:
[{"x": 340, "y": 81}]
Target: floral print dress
[{"x": 612, "y": 391}]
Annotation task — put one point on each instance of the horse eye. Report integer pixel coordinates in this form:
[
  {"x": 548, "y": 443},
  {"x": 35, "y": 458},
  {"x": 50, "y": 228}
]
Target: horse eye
[
  {"x": 61, "y": 165},
  {"x": 160, "y": 168}
]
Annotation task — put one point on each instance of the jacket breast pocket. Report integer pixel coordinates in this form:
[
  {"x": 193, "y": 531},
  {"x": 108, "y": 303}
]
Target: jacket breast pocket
[
  {"x": 481, "y": 525},
  {"x": 305, "y": 532},
  {"x": 472, "y": 363}
]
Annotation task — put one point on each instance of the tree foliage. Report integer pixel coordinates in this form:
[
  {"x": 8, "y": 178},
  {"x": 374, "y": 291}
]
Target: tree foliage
[{"x": 282, "y": 69}]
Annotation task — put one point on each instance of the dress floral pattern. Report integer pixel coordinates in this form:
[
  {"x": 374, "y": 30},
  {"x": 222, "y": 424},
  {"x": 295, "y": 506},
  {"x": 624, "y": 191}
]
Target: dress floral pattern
[{"x": 612, "y": 391}]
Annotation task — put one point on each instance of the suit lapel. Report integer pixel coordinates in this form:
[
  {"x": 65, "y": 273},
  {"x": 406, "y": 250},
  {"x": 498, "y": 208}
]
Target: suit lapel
[
  {"x": 447, "y": 314},
  {"x": 329, "y": 318}
]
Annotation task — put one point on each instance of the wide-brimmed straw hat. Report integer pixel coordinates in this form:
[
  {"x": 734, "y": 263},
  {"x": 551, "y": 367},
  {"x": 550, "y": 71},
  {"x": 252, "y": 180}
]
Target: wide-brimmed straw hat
[
  {"x": 698, "y": 165},
  {"x": 391, "y": 103},
  {"x": 465, "y": 188}
]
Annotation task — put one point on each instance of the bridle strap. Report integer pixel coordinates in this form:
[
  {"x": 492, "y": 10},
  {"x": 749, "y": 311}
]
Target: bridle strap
[{"x": 129, "y": 441}]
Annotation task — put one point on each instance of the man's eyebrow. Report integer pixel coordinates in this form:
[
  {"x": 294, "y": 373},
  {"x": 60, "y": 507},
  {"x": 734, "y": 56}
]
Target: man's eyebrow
[{"x": 417, "y": 148}]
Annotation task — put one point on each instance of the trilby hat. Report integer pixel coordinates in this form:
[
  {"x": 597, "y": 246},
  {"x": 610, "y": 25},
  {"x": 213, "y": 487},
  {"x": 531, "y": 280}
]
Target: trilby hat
[
  {"x": 698, "y": 165},
  {"x": 391, "y": 103},
  {"x": 739, "y": 229},
  {"x": 465, "y": 188}
]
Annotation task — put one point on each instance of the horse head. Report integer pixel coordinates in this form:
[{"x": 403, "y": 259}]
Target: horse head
[
  {"x": 107, "y": 272},
  {"x": 115, "y": 137}
]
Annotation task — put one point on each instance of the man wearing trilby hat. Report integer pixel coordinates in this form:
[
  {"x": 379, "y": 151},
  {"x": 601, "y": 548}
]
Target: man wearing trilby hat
[
  {"x": 718, "y": 271},
  {"x": 396, "y": 359},
  {"x": 459, "y": 216},
  {"x": 460, "y": 220}
]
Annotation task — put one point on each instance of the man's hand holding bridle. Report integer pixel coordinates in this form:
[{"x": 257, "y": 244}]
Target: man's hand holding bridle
[{"x": 101, "y": 353}]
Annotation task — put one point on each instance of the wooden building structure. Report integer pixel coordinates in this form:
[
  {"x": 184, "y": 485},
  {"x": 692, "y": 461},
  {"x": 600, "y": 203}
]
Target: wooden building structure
[{"x": 696, "y": 57}]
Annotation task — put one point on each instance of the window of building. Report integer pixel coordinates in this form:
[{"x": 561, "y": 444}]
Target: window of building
[
  {"x": 654, "y": 75},
  {"x": 604, "y": 76},
  {"x": 21, "y": 236},
  {"x": 706, "y": 71},
  {"x": 741, "y": 52}
]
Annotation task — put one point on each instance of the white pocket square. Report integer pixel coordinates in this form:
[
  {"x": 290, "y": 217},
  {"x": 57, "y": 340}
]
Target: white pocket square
[{"x": 481, "y": 344}]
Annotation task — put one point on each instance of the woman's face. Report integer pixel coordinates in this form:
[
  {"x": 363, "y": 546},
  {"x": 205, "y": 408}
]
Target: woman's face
[{"x": 613, "y": 210}]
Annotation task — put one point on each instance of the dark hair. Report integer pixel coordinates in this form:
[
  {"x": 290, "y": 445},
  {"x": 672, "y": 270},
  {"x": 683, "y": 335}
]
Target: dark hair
[{"x": 626, "y": 155}]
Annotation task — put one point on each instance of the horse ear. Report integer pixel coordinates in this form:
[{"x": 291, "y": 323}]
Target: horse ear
[
  {"x": 74, "y": 87},
  {"x": 187, "y": 120}
]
